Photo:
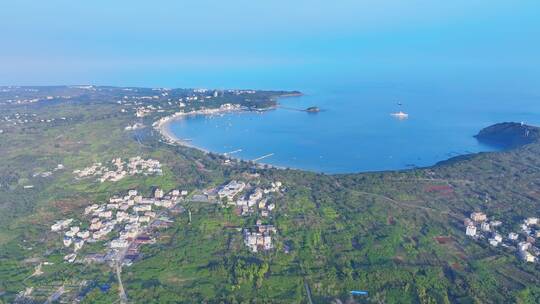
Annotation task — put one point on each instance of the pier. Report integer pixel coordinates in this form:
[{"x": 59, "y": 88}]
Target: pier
[
  {"x": 262, "y": 157},
  {"x": 232, "y": 152}
]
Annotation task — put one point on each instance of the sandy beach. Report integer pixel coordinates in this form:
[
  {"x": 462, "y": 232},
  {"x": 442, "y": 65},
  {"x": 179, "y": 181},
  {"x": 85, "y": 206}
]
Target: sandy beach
[{"x": 163, "y": 126}]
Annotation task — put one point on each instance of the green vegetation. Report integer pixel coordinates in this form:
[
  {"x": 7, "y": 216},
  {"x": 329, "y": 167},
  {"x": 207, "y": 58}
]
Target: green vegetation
[{"x": 398, "y": 235}]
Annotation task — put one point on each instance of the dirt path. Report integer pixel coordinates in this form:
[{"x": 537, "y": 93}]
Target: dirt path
[{"x": 429, "y": 209}]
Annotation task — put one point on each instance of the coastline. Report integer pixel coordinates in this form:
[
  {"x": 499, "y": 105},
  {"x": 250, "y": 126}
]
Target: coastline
[{"x": 163, "y": 125}]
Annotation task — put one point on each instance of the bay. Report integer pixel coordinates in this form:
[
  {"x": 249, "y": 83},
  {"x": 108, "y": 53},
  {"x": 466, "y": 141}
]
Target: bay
[{"x": 354, "y": 132}]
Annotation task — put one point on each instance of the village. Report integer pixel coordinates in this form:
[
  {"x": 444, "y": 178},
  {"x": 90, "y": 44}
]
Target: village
[
  {"x": 124, "y": 223},
  {"x": 134, "y": 165},
  {"x": 22, "y": 101},
  {"x": 163, "y": 100},
  {"x": 143, "y": 105},
  {"x": 481, "y": 228},
  {"x": 27, "y": 118},
  {"x": 248, "y": 201}
]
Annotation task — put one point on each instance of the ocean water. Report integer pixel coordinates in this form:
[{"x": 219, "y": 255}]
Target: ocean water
[{"x": 354, "y": 132}]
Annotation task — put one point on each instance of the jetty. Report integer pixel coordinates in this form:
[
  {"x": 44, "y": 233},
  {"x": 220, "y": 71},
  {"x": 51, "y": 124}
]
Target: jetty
[
  {"x": 232, "y": 152},
  {"x": 262, "y": 157}
]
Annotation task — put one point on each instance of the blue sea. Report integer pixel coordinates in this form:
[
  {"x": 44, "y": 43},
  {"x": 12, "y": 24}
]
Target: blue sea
[{"x": 354, "y": 132}]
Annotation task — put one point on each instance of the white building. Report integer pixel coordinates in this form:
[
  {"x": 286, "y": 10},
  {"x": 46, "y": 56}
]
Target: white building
[
  {"x": 142, "y": 208},
  {"x": 95, "y": 225},
  {"x": 105, "y": 214},
  {"x": 531, "y": 221},
  {"x": 231, "y": 190},
  {"x": 144, "y": 219},
  {"x": 70, "y": 258},
  {"x": 61, "y": 225},
  {"x": 90, "y": 209},
  {"x": 83, "y": 234},
  {"x": 527, "y": 256},
  {"x": 524, "y": 246},
  {"x": 478, "y": 216},
  {"x": 158, "y": 193},
  {"x": 78, "y": 244},
  {"x": 471, "y": 230},
  {"x": 112, "y": 206},
  {"x": 118, "y": 243}
]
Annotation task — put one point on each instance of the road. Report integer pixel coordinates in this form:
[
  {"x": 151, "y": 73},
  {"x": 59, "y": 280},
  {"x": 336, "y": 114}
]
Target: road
[
  {"x": 56, "y": 295},
  {"x": 405, "y": 204},
  {"x": 308, "y": 291},
  {"x": 121, "y": 291},
  {"x": 120, "y": 259}
]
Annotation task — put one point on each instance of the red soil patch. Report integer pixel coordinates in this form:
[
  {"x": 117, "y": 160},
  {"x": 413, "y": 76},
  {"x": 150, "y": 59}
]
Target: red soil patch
[
  {"x": 439, "y": 189},
  {"x": 456, "y": 266},
  {"x": 229, "y": 225},
  {"x": 444, "y": 239},
  {"x": 67, "y": 206}
]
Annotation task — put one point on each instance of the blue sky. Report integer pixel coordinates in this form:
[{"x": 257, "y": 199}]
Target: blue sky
[{"x": 222, "y": 43}]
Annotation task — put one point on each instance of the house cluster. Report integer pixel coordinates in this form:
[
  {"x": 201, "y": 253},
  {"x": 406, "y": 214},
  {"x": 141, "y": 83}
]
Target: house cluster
[
  {"x": 73, "y": 235},
  {"x": 255, "y": 199},
  {"x": 259, "y": 238},
  {"x": 48, "y": 173},
  {"x": 25, "y": 118},
  {"x": 135, "y": 165},
  {"x": 479, "y": 226},
  {"x": 242, "y": 92},
  {"x": 159, "y": 104},
  {"x": 249, "y": 201},
  {"x": 33, "y": 100},
  {"x": 145, "y": 110},
  {"x": 135, "y": 126},
  {"x": 130, "y": 217}
]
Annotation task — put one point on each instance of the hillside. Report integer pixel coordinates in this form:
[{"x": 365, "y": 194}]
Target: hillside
[{"x": 398, "y": 235}]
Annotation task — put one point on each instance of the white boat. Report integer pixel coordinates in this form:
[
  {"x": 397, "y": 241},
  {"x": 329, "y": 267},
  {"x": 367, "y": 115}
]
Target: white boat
[{"x": 400, "y": 115}]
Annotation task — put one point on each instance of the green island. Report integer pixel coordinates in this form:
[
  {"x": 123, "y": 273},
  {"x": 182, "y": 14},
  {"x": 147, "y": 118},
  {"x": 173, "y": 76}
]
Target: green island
[{"x": 97, "y": 206}]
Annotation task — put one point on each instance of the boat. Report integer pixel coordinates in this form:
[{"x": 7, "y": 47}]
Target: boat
[{"x": 400, "y": 115}]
